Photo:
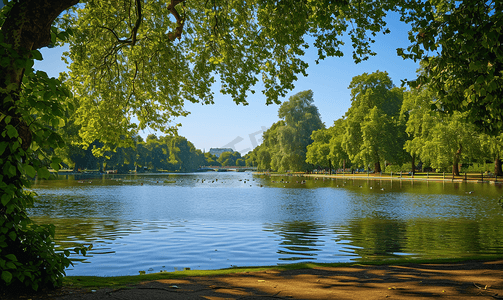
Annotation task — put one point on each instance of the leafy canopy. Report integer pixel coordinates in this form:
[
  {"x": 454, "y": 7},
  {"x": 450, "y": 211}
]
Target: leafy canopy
[
  {"x": 134, "y": 64},
  {"x": 460, "y": 45}
]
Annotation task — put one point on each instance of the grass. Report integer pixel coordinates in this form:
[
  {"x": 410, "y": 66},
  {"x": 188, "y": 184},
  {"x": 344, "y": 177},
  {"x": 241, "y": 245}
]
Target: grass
[{"x": 96, "y": 282}]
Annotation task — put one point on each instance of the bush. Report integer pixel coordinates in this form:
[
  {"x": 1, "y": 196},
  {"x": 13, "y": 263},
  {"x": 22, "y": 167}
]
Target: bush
[{"x": 27, "y": 254}]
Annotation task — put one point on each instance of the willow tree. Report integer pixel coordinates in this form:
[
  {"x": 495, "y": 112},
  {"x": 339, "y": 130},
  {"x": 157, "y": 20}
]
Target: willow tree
[{"x": 285, "y": 144}]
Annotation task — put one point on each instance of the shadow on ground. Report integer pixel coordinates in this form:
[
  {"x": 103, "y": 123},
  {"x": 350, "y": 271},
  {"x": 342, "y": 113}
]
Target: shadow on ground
[{"x": 465, "y": 280}]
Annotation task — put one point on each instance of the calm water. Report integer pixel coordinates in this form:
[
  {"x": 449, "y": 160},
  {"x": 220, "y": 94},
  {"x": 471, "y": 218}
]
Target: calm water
[{"x": 157, "y": 222}]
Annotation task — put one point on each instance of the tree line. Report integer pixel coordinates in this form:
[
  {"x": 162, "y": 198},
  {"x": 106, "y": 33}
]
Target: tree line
[
  {"x": 386, "y": 128},
  {"x": 154, "y": 154}
]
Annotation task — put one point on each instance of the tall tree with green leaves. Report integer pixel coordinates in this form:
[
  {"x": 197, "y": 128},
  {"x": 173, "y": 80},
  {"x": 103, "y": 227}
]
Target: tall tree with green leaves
[
  {"x": 459, "y": 43},
  {"x": 229, "y": 158},
  {"x": 338, "y": 154},
  {"x": 371, "y": 125},
  {"x": 327, "y": 148},
  {"x": 287, "y": 140},
  {"x": 492, "y": 146},
  {"x": 318, "y": 153},
  {"x": 439, "y": 139}
]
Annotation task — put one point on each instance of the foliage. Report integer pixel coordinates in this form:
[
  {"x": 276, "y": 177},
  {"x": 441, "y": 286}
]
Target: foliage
[
  {"x": 318, "y": 152},
  {"x": 229, "y": 158},
  {"x": 459, "y": 43},
  {"x": 439, "y": 139},
  {"x": 145, "y": 60},
  {"x": 372, "y": 129},
  {"x": 28, "y": 117},
  {"x": 210, "y": 159},
  {"x": 327, "y": 147},
  {"x": 492, "y": 148},
  {"x": 284, "y": 144}
]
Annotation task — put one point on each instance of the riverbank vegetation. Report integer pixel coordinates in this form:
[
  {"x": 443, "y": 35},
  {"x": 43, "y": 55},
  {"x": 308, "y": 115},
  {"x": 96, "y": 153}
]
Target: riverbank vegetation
[
  {"x": 386, "y": 129},
  {"x": 133, "y": 64}
]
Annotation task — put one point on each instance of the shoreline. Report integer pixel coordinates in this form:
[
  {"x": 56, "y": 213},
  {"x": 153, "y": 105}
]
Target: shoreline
[
  {"x": 462, "y": 278},
  {"x": 365, "y": 176}
]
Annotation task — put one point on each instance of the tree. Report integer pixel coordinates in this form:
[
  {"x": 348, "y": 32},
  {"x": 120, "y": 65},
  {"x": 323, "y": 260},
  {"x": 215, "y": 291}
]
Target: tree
[
  {"x": 318, "y": 153},
  {"x": 148, "y": 65},
  {"x": 459, "y": 43},
  {"x": 240, "y": 162},
  {"x": 229, "y": 158},
  {"x": 210, "y": 159},
  {"x": 250, "y": 159},
  {"x": 371, "y": 124},
  {"x": 493, "y": 146},
  {"x": 438, "y": 139},
  {"x": 338, "y": 155},
  {"x": 284, "y": 144}
]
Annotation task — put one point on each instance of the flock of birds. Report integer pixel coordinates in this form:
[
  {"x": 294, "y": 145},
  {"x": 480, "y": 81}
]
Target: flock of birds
[{"x": 281, "y": 181}]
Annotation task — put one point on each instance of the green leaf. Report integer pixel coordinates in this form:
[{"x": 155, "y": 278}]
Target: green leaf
[
  {"x": 12, "y": 257},
  {"x": 37, "y": 55},
  {"x": 30, "y": 170},
  {"x": 12, "y": 236},
  {"x": 10, "y": 265},
  {"x": 43, "y": 173},
  {"x": 6, "y": 276},
  {"x": 3, "y": 145},
  {"x": 11, "y": 131},
  {"x": 5, "y": 199}
]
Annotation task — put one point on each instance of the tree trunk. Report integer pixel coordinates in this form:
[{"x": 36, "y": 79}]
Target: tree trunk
[
  {"x": 455, "y": 161},
  {"x": 377, "y": 167},
  {"x": 497, "y": 167},
  {"x": 413, "y": 164},
  {"x": 27, "y": 27}
]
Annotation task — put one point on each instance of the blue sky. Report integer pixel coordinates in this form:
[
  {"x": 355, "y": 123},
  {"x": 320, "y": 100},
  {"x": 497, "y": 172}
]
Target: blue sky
[{"x": 239, "y": 127}]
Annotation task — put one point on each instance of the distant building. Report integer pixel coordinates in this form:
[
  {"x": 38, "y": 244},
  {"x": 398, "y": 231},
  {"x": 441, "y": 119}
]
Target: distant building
[{"x": 218, "y": 151}]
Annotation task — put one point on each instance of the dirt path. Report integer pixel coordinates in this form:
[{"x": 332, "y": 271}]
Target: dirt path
[{"x": 465, "y": 280}]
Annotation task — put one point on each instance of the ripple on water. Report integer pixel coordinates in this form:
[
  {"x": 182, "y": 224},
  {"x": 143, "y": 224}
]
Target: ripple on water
[{"x": 209, "y": 225}]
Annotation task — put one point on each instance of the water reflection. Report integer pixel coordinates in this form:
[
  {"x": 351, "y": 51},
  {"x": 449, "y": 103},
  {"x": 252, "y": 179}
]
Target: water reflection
[
  {"x": 206, "y": 221},
  {"x": 298, "y": 240}
]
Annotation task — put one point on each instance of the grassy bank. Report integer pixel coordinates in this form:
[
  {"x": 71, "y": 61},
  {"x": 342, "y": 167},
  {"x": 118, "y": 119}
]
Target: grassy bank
[{"x": 96, "y": 282}]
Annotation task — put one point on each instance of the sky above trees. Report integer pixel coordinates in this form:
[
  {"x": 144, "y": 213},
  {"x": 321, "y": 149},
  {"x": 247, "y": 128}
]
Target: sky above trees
[{"x": 240, "y": 127}]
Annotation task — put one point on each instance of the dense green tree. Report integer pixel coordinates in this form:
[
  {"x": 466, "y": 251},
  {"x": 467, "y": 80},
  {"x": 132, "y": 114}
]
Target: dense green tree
[
  {"x": 284, "y": 144},
  {"x": 265, "y": 151},
  {"x": 183, "y": 155},
  {"x": 338, "y": 155},
  {"x": 229, "y": 158},
  {"x": 250, "y": 159},
  {"x": 157, "y": 153},
  {"x": 459, "y": 43},
  {"x": 372, "y": 121},
  {"x": 240, "y": 162},
  {"x": 493, "y": 147},
  {"x": 210, "y": 159},
  {"x": 318, "y": 153},
  {"x": 438, "y": 139}
]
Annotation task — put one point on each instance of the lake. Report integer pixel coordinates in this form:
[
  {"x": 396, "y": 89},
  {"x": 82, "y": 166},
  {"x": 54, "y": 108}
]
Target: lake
[{"x": 167, "y": 222}]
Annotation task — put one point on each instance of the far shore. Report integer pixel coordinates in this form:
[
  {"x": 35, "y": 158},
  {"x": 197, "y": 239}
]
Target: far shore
[{"x": 441, "y": 177}]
